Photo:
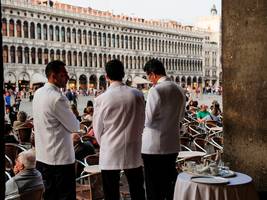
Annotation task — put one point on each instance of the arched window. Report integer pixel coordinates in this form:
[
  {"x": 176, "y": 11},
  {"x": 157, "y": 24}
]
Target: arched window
[
  {"x": 130, "y": 43},
  {"x": 109, "y": 40},
  {"x": 39, "y": 55},
  {"x": 73, "y": 36},
  {"x": 80, "y": 59},
  {"x": 90, "y": 38},
  {"x": 4, "y": 27},
  {"x": 75, "y": 58},
  {"x": 79, "y": 37},
  {"x": 85, "y": 59},
  {"x": 100, "y": 60},
  {"x": 19, "y": 53},
  {"x": 104, "y": 39},
  {"x": 69, "y": 58},
  {"x": 118, "y": 41},
  {"x": 39, "y": 31},
  {"x": 94, "y": 39},
  {"x": 63, "y": 34},
  {"x": 58, "y": 55},
  {"x": 45, "y": 32},
  {"x": 25, "y": 30},
  {"x": 57, "y": 33},
  {"x": 99, "y": 39},
  {"x": 32, "y": 31},
  {"x": 113, "y": 40},
  {"x": 64, "y": 56},
  {"x": 11, "y": 28},
  {"x": 68, "y": 35},
  {"x": 12, "y": 54},
  {"x": 26, "y": 55},
  {"x": 33, "y": 55},
  {"x": 5, "y": 54},
  {"x": 84, "y": 37},
  {"x": 90, "y": 60},
  {"x": 46, "y": 56},
  {"x": 52, "y": 55},
  {"x": 51, "y": 33},
  {"x": 18, "y": 27},
  {"x": 126, "y": 42}
]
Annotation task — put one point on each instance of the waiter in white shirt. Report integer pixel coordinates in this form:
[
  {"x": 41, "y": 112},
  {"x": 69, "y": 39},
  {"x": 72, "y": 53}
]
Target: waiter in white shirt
[
  {"x": 160, "y": 142},
  {"x": 118, "y": 122},
  {"x": 53, "y": 124}
]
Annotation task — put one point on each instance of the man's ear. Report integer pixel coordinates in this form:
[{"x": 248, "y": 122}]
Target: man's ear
[{"x": 107, "y": 78}]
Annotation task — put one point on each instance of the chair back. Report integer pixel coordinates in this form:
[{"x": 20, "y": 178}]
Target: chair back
[
  {"x": 8, "y": 164},
  {"x": 12, "y": 150},
  {"x": 92, "y": 159},
  {"x": 7, "y": 176},
  {"x": 24, "y": 135},
  {"x": 36, "y": 194}
]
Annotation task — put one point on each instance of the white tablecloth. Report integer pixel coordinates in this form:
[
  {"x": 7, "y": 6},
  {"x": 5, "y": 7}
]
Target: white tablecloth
[{"x": 240, "y": 187}]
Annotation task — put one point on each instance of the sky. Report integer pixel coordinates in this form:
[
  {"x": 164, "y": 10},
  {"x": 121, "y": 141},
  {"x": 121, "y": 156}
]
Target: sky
[{"x": 184, "y": 11}]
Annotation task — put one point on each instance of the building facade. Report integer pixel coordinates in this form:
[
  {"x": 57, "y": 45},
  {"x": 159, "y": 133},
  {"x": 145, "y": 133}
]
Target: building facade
[
  {"x": 37, "y": 32},
  {"x": 212, "y": 47}
]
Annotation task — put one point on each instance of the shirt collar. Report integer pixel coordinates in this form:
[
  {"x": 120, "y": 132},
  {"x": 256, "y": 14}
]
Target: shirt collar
[
  {"x": 115, "y": 84},
  {"x": 53, "y": 86},
  {"x": 163, "y": 78}
]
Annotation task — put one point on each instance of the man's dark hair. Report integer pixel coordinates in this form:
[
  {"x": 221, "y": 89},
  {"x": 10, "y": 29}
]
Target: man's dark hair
[
  {"x": 115, "y": 70},
  {"x": 54, "y": 67},
  {"x": 155, "y": 66}
]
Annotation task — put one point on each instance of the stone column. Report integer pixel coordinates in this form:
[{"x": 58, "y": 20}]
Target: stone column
[{"x": 245, "y": 89}]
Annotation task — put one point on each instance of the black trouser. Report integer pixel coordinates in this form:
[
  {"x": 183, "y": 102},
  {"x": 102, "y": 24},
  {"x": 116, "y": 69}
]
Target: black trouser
[
  {"x": 59, "y": 181},
  {"x": 160, "y": 175},
  {"x": 111, "y": 183}
]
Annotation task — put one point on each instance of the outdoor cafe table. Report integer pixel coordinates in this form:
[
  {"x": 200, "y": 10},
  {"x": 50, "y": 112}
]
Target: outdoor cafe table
[
  {"x": 239, "y": 187},
  {"x": 189, "y": 154}
]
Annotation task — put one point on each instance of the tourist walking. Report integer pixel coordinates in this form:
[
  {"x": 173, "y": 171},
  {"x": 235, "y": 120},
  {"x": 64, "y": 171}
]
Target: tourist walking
[
  {"x": 53, "y": 124},
  {"x": 160, "y": 142},
  {"x": 118, "y": 123}
]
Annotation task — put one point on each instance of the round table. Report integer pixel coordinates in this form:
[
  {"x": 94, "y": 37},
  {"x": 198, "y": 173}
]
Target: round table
[{"x": 239, "y": 187}]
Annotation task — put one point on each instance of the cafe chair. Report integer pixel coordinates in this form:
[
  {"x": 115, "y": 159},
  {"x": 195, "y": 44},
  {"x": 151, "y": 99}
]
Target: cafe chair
[
  {"x": 196, "y": 131},
  {"x": 12, "y": 150},
  {"x": 184, "y": 148},
  {"x": 186, "y": 141},
  {"x": 91, "y": 159},
  {"x": 34, "y": 194},
  {"x": 79, "y": 166},
  {"x": 8, "y": 165},
  {"x": 24, "y": 135},
  {"x": 204, "y": 145},
  {"x": 218, "y": 142},
  {"x": 7, "y": 176},
  {"x": 89, "y": 186}
]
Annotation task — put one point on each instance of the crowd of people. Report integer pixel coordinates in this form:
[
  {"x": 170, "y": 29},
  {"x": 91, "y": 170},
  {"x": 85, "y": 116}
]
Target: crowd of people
[{"x": 130, "y": 133}]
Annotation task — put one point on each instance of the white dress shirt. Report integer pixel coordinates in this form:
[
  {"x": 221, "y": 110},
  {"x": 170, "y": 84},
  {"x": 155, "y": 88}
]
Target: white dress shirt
[
  {"x": 53, "y": 124},
  {"x": 165, "y": 108},
  {"x": 118, "y": 122}
]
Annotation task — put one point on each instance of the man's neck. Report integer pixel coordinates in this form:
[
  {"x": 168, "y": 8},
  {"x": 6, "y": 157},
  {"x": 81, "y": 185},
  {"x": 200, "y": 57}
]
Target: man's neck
[{"x": 112, "y": 81}]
